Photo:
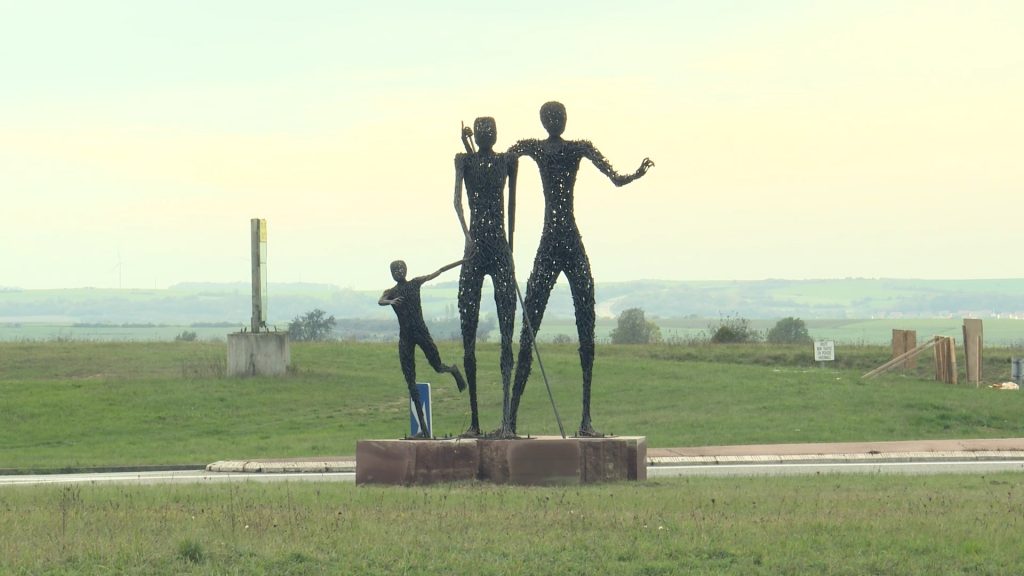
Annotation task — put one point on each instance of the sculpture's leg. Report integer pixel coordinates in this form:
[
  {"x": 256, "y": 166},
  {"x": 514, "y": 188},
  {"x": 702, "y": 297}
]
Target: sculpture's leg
[
  {"x": 434, "y": 357},
  {"x": 406, "y": 357},
  {"x": 538, "y": 290},
  {"x": 505, "y": 302},
  {"x": 470, "y": 282},
  {"x": 581, "y": 282}
]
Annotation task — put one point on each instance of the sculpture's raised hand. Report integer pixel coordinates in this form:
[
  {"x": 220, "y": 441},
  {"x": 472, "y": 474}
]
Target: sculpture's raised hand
[
  {"x": 467, "y": 139},
  {"x": 646, "y": 165}
]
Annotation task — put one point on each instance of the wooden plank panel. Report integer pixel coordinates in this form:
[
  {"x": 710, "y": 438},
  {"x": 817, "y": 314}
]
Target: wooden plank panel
[
  {"x": 973, "y": 344},
  {"x": 899, "y": 359}
]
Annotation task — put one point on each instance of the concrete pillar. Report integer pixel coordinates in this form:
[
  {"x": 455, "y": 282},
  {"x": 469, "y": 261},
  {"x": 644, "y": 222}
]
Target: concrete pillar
[{"x": 263, "y": 354}]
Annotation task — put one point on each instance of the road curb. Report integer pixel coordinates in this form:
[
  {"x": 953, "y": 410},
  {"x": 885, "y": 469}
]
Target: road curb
[
  {"x": 283, "y": 467},
  {"x": 865, "y": 458},
  {"x": 271, "y": 466},
  {"x": 98, "y": 469}
]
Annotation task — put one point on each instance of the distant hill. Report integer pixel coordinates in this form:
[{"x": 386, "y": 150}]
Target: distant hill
[
  {"x": 183, "y": 304},
  {"x": 846, "y": 298}
]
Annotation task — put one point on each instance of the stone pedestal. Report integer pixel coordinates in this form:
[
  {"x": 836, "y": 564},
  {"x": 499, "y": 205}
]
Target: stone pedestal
[
  {"x": 261, "y": 354},
  {"x": 529, "y": 461},
  {"x": 410, "y": 462}
]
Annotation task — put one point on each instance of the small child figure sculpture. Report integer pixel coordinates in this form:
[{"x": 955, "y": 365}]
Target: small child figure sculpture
[{"x": 404, "y": 299}]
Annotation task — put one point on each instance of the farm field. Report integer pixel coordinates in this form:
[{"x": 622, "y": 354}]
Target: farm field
[
  {"x": 72, "y": 405},
  {"x": 1003, "y": 332},
  {"x": 998, "y": 331},
  {"x": 843, "y": 525}
]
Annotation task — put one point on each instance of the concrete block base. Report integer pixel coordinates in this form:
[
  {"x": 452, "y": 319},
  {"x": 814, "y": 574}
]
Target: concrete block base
[
  {"x": 408, "y": 462},
  {"x": 530, "y": 461},
  {"x": 261, "y": 354}
]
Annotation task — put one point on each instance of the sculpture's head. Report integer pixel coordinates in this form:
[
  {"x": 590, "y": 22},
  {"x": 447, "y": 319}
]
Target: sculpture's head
[
  {"x": 485, "y": 132},
  {"x": 398, "y": 270},
  {"x": 552, "y": 116}
]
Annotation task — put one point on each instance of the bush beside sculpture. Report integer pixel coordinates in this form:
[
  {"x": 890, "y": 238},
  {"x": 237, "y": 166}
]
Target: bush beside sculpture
[
  {"x": 634, "y": 328},
  {"x": 789, "y": 330},
  {"x": 313, "y": 326},
  {"x": 733, "y": 330}
]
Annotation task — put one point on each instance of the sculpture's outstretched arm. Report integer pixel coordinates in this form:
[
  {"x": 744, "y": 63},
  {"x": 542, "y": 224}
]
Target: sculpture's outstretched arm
[
  {"x": 460, "y": 160},
  {"x": 513, "y": 171},
  {"x": 440, "y": 271},
  {"x": 528, "y": 147},
  {"x": 531, "y": 148},
  {"x": 602, "y": 163}
]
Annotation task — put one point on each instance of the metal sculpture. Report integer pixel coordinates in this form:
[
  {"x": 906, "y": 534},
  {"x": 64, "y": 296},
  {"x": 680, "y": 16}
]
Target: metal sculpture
[
  {"x": 404, "y": 299},
  {"x": 561, "y": 248},
  {"x": 484, "y": 173}
]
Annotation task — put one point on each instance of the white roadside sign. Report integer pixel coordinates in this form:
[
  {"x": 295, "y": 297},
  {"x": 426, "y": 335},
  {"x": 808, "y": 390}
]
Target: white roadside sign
[{"x": 824, "y": 350}]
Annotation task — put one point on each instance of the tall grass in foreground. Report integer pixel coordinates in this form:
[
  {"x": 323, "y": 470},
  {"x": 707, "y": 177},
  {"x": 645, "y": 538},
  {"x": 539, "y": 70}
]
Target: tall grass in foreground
[{"x": 794, "y": 525}]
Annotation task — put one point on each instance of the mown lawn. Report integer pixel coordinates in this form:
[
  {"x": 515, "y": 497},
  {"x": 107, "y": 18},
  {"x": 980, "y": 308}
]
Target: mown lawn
[
  {"x": 840, "y": 525},
  {"x": 88, "y": 404}
]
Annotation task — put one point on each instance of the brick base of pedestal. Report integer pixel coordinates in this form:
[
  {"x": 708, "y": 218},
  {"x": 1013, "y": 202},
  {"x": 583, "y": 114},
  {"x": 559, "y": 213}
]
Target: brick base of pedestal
[{"x": 543, "y": 460}]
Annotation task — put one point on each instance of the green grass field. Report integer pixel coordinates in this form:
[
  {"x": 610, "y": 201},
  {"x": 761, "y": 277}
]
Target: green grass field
[
  {"x": 839, "y": 525},
  {"x": 94, "y": 404},
  {"x": 69, "y": 404}
]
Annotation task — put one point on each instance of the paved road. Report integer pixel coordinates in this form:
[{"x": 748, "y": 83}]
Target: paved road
[
  {"x": 797, "y": 469},
  {"x": 170, "y": 477},
  {"x": 911, "y": 457},
  {"x": 758, "y": 469}
]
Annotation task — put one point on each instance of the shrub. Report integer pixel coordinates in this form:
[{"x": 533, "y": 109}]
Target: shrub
[
  {"x": 789, "y": 331},
  {"x": 633, "y": 328},
  {"x": 311, "y": 326},
  {"x": 733, "y": 330},
  {"x": 186, "y": 336}
]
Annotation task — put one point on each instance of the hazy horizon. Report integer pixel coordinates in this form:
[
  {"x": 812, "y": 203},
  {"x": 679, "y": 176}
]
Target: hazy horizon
[
  {"x": 562, "y": 283},
  {"x": 792, "y": 140}
]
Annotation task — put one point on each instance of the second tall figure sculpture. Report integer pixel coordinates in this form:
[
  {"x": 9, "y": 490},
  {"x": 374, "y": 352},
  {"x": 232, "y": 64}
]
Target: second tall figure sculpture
[
  {"x": 561, "y": 249},
  {"x": 484, "y": 173}
]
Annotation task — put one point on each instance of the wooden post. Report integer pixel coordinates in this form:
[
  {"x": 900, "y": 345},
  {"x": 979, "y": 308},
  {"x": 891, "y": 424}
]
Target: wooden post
[
  {"x": 258, "y": 229},
  {"x": 954, "y": 372},
  {"x": 903, "y": 341},
  {"x": 899, "y": 346},
  {"x": 945, "y": 360},
  {"x": 973, "y": 343},
  {"x": 910, "y": 342}
]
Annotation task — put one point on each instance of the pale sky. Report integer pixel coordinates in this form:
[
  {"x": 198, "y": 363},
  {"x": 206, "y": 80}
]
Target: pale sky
[{"x": 793, "y": 139}]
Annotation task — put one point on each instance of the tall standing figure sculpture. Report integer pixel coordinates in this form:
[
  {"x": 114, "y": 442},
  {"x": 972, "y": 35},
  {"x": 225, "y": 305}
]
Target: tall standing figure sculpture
[
  {"x": 488, "y": 252},
  {"x": 404, "y": 299},
  {"x": 561, "y": 247}
]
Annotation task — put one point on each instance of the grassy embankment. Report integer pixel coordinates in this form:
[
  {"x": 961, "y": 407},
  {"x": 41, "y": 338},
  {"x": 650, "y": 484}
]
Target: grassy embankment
[
  {"x": 842, "y": 525},
  {"x": 87, "y": 404}
]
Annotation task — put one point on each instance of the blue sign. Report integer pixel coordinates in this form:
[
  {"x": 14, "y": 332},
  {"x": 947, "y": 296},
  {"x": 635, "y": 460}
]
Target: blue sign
[{"x": 414, "y": 425}]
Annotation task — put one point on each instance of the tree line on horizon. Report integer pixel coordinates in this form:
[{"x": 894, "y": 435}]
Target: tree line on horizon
[{"x": 755, "y": 300}]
